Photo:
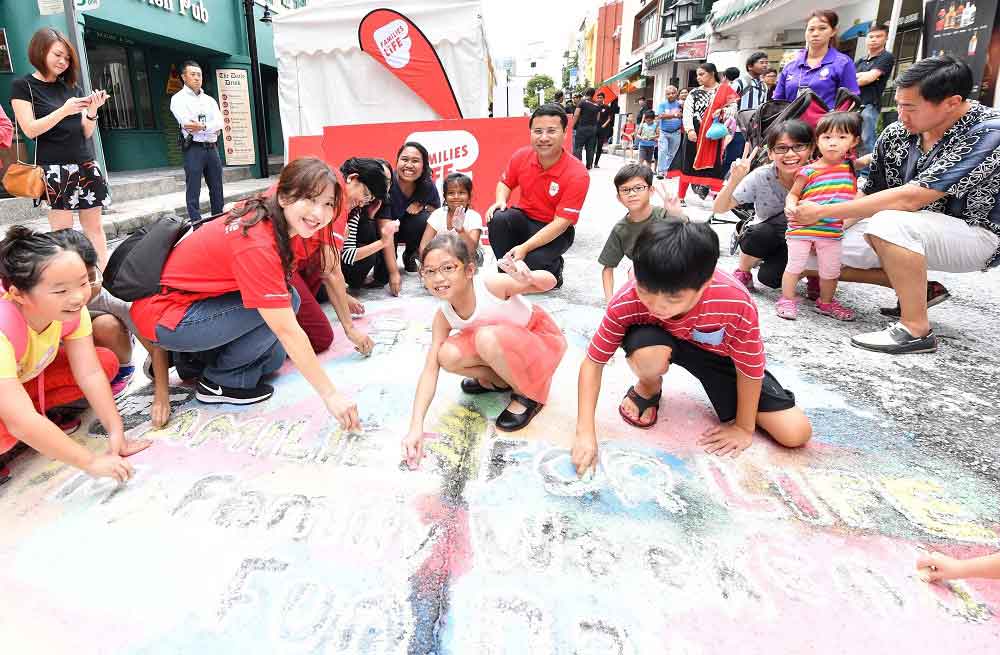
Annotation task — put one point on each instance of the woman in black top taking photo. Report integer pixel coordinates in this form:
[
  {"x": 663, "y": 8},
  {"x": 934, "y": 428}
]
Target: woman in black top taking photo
[{"x": 52, "y": 109}]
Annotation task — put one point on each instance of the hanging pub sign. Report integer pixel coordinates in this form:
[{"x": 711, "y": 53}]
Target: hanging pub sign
[
  {"x": 962, "y": 30},
  {"x": 691, "y": 50}
]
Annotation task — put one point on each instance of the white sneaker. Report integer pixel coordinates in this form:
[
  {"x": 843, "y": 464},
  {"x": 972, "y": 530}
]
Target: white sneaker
[{"x": 895, "y": 340}]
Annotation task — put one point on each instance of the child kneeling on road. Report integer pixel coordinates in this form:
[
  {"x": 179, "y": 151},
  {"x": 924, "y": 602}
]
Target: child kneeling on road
[
  {"x": 47, "y": 353},
  {"x": 681, "y": 310}
]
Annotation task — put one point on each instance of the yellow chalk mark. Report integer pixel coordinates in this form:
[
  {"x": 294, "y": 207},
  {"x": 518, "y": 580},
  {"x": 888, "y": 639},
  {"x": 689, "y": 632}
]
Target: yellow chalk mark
[
  {"x": 460, "y": 430},
  {"x": 925, "y": 503},
  {"x": 443, "y": 450},
  {"x": 177, "y": 429},
  {"x": 850, "y": 496},
  {"x": 228, "y": 430}
]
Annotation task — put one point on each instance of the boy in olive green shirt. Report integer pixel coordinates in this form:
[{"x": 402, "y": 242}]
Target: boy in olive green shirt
[{"x": 634, "y": 184}]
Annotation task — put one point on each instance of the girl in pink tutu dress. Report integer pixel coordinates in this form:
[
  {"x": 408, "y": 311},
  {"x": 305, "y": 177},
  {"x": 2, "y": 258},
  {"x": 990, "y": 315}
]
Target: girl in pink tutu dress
[{"x": 503, "y": 342}]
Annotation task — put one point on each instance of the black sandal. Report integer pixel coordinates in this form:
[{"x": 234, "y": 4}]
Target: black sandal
[
  {"x": 473, "y": 387},
  {"x": 510, "y": 422},
  {"x": 641, "y": 404}
]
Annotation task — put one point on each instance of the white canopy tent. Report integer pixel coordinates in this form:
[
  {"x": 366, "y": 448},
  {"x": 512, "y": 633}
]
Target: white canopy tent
[{"x": 324, "y": 78}]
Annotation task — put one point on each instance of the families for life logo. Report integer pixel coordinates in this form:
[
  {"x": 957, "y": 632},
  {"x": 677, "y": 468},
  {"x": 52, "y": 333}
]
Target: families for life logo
[
  {"x": 451, "y": 151},
  {"x": 394, "y": 43}
]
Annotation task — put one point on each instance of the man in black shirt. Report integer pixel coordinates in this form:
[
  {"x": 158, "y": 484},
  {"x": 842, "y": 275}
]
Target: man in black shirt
[
  {"x": 585, "y": 125},
  {"x": 873, "y": 73},
  {"x": 605, "y": 127}
]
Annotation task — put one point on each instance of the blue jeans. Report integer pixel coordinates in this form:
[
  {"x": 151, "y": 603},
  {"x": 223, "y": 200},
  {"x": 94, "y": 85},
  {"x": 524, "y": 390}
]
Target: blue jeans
[
  {"x": 669, "y": 143},
  {"x": 733, "y": 152},
  {"x": 242, "y": 348},
  {"x": 201, "y": 161},
  {"x": 869, "y": 119}
]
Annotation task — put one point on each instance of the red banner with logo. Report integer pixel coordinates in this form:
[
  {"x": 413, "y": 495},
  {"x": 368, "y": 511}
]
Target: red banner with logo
[
  {"x": 478, "y": 147},
  {"x": 395, "y": 42}
]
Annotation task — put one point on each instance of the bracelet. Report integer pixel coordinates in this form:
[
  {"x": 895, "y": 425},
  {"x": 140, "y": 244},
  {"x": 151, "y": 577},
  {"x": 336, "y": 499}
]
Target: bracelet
[{"x": 90, "y": 118}]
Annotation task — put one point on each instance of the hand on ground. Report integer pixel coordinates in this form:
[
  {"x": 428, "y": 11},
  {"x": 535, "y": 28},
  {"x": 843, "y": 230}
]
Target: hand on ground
[{"x": 726, "y": 440}]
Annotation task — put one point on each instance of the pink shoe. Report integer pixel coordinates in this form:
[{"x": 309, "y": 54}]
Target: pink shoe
[
  {"x": 834, "y": 309},
  {"x": 745, "y": 278},
  {"x": 67, "y": 420},
  {"x": 812, "y": 288},
  {"x": 788, "y": 309}
]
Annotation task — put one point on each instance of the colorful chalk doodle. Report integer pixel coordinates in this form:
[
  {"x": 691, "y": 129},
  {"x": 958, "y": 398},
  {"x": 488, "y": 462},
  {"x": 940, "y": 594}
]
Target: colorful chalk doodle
[{"x": 268, "y": 529}]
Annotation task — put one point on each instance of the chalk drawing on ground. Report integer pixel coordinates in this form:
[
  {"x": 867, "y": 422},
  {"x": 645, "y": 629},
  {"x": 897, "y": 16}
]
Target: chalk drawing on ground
[{"x": 268, "y": 529}]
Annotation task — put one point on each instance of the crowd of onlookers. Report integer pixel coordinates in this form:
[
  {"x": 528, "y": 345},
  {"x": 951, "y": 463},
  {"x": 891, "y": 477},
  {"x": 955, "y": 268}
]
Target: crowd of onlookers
[{"x": 657, "y": 135}]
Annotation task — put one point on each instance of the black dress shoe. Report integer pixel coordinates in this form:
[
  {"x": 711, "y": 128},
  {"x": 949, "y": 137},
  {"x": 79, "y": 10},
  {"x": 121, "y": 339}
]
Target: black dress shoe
[
  {"x": 473, "y": 387},
  {"x": 410, "y": 265},
  {"x": 510, "y": 422}
]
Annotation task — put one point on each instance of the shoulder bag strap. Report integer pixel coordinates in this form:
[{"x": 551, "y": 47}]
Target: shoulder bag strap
[{"x": 17, "y": 130}]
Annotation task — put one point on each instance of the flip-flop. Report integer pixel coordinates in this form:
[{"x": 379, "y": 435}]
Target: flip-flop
[{"x": 642, "y": 404}]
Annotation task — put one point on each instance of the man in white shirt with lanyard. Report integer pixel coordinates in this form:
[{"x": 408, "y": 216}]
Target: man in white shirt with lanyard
[{"x": 201, "y": 122}]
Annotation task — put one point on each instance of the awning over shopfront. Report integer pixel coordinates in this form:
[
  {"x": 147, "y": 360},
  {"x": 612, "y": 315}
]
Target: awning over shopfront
[
  {"x": 734, "y": 11},
  {"x": 730, "y": 14},
  {"x": 625, "y": 73},
  {"x": 855, "y": 31},
  {"x": 660, "y": 56}
]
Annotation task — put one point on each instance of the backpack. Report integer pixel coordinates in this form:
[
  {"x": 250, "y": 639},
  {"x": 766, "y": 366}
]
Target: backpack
[
  {"x": 15, "y": 328},
  {"x": 136, "y": 266}
]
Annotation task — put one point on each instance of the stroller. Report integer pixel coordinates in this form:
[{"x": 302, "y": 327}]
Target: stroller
[{"x": 756, "y": 123}]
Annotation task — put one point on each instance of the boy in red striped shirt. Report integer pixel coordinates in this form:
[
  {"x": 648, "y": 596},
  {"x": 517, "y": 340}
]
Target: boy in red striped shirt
[{"x": 680, "y": 309}]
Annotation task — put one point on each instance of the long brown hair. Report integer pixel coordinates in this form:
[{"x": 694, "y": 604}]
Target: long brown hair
[
  {"x": 38, "y": 50},
  {"x": 308, "y": 178},
  {"x": 829, "y": 17}
]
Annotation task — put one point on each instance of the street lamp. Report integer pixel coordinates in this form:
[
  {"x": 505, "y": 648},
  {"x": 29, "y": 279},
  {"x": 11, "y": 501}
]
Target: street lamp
[
  {"x": 685, "y": 11},
  {"x": 258, "y": 84},
  {"x": 670, "y": 22},
  {"x": 266, "y": 18}
]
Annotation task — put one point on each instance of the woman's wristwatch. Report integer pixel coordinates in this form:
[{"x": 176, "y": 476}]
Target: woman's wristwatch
[{"x": 89, "y": 117}]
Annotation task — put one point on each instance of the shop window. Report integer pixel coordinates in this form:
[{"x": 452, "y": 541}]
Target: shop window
[
  {"x": 144, "y": 100},
  {"x": 122, "y": 73}
]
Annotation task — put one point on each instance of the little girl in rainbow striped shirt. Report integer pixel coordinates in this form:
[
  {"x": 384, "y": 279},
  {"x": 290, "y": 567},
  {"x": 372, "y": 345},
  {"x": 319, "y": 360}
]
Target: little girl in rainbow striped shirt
[{"x": 828, "y": 180}]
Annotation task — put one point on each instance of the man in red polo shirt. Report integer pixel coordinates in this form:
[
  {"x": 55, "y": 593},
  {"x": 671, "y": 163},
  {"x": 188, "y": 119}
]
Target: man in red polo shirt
[{"x": 553, "y": 187}]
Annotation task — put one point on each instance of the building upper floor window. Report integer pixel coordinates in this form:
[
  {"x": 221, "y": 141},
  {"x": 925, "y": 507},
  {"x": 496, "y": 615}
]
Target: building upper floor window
[{"x": 648, "y": 29}]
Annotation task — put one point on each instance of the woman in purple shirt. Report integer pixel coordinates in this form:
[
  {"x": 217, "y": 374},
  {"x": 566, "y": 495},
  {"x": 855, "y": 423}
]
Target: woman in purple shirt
[{"x": 820, "y": 66}]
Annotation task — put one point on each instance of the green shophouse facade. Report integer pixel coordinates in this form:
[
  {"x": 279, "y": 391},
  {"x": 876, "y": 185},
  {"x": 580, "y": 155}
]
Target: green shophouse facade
[{"x": 132, "y": 46}]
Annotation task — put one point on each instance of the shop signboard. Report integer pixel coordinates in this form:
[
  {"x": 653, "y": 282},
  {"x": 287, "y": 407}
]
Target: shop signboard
[
  {"x": 234, "y": 102},
  {"x": 690, "y": 50},
  {"x": 50, "y": 7},
  {"x": 962, "y": 30}
]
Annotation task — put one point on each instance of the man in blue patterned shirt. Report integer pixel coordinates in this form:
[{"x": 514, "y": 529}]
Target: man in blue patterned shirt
[{"x": 933, "y": 196}]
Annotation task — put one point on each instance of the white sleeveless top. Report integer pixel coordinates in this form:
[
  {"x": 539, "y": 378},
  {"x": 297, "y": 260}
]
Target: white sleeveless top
[{"x": 490, "y": 310}]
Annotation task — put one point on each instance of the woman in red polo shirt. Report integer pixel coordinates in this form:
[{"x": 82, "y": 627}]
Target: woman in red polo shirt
[{"x": 226, "y": 292}]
